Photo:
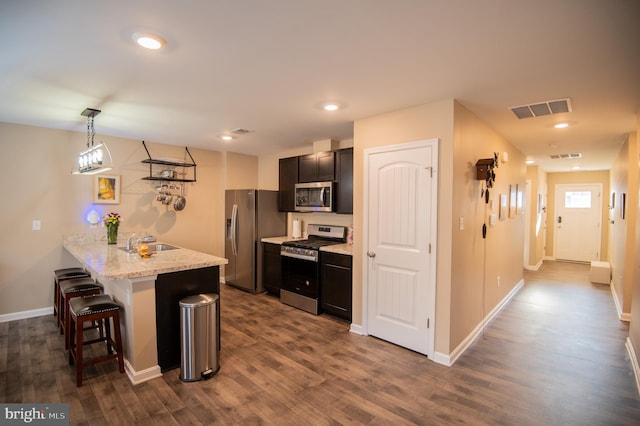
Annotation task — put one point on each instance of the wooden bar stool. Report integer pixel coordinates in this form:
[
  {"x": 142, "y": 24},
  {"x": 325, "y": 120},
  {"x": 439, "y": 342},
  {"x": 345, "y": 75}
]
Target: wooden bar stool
[
  {"x": 77, "y": 287},
  {"x": 61, "y": 275},
  {"x": 101, "y": 309}
]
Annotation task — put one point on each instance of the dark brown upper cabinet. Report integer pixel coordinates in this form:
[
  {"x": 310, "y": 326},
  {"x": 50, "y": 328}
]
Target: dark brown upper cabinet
[
  {"x": 288, "y": 177},
  {"x": 344, "y": 181},
  {"x": 319, "y": 167}
]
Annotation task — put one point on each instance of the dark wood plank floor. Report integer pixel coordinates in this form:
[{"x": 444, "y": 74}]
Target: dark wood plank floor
[{"x": 554, "y": 356}]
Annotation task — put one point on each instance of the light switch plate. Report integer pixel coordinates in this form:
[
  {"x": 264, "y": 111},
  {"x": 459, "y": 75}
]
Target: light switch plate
[{"x": 35, "y": 225}]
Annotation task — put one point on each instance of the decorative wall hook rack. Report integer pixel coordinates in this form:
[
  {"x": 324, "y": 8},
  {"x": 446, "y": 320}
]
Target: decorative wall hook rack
[{"x": 485, "y": 171}]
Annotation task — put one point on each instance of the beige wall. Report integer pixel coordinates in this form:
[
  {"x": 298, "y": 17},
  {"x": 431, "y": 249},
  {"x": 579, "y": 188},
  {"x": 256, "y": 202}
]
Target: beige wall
[
  {"x": 624, "y": 179},
  {"x": 463, "y": 139},
  {"x": 418, "y": 123},
  {"x": 479, "y": 262},
  {"x": 598, "y": 176},
  {"x": 38, "y": 185},
  {"x": 537, "y": 223},
  {"x": 242, "y": 171},
  {"x": 634, "y": 327}
]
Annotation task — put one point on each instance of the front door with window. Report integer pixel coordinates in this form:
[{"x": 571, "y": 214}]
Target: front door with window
[{"x": 577, "y": 222}]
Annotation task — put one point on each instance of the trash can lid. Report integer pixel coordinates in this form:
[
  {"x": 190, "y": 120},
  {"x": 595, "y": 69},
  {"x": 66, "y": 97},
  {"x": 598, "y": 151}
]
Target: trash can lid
[{"x": 198, "y": 300}]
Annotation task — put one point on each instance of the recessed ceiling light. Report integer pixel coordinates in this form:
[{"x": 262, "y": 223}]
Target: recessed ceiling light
[
  {"x": 561, "y": 125},
  {"x": 331, "y": 107},
  {"x": 226, "y": 137},
  {"x": 149, "y": 41},
  {"x": 530, "y": 161}
]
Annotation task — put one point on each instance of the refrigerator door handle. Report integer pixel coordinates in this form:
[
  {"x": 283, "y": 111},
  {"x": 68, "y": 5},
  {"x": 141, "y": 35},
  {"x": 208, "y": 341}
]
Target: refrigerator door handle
[{"x": 234, "y": 230}]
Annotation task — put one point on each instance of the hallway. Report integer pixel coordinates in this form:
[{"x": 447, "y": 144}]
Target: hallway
[
  {"x": 559, "y": 349},
  {"x": 555, "y": 355}
]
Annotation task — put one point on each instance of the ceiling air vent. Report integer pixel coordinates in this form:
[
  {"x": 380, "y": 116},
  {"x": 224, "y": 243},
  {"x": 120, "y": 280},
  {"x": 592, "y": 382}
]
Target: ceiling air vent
[
  {"x": 240, "y": 131},
  {"x": 542, "y": 108},
  {"x": 562, "y": 156}
]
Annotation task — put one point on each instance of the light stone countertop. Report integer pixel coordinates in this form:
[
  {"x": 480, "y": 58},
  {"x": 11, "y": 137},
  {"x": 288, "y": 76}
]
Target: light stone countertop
[
  {"x": 279, "y": 240},
  {"x": 110, "y": 262},
  {"x": 345, "y": 248}
]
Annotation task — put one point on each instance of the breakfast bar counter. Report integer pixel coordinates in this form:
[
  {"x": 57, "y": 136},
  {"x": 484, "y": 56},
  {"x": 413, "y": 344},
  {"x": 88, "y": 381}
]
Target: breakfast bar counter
[{"x": 148, "y": 290}]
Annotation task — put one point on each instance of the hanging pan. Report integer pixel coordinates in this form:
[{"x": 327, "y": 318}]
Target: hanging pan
[{"x": 180, "y": 202}]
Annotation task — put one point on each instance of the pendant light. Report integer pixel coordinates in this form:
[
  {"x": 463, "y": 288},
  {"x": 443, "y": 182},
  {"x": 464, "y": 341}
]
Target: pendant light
[{"x": 96, "y": 158}]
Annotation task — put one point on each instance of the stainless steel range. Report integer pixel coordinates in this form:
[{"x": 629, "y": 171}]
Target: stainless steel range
[{"x": 301, "y": 266}]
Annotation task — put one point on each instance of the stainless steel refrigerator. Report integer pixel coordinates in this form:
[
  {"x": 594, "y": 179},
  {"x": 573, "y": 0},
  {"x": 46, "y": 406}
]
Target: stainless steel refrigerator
[{"x": 250, "y": 215}]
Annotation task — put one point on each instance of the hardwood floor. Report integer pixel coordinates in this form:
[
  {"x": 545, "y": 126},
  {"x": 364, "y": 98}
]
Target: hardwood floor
[{"x": 554, "y": 355}]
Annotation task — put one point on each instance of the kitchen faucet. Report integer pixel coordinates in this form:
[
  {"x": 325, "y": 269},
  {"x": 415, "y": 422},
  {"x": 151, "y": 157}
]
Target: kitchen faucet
[{"x": 134, "y": 240}]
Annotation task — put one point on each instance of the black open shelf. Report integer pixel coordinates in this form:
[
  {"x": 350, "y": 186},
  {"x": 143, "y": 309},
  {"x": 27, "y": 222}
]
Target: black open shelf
[{"x": 151, "y": 162}]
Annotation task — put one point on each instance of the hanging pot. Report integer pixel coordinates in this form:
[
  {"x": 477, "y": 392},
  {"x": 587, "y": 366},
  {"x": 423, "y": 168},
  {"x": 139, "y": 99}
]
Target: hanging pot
[
  {"x": 166, "y": 200},
  {"x": 180, "y": 201},
  {"x": 168, "y": 173}
]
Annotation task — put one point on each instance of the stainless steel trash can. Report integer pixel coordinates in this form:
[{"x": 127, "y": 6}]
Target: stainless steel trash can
[{"x": 199, "y": 326}]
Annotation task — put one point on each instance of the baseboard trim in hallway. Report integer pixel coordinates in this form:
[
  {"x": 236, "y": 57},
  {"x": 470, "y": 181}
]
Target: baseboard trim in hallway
[
  {"x": 450, "y": 359},
  {"x": 634, "y": 362}
]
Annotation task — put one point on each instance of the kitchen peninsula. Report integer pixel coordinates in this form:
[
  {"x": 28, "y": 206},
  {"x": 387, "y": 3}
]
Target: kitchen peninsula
[{"x": 148, "y": 291}]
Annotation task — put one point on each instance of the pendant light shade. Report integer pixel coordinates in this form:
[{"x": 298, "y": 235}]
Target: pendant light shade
[{"x": 96, "y": 158}]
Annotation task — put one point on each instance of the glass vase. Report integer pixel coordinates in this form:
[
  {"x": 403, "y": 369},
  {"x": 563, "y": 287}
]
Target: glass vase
[{"x": 112, "y": 234}]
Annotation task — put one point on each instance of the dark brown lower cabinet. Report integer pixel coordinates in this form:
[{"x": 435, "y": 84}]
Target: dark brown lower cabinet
[
  {"x": 336, "y": 284},
  {"x": 271, "y": 268},
  {"x": 170, "y": 289}
]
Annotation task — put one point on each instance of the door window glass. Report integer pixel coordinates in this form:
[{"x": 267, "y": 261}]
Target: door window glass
[{"x": 577, "y": 200}]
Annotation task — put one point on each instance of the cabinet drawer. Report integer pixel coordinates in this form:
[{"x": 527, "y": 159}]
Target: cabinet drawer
[{"x": 336, "y": 259}]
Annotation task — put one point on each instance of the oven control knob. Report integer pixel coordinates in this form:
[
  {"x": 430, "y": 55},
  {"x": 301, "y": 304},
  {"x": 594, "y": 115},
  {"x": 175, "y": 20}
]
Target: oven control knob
[{"x": 306, "y": 282}]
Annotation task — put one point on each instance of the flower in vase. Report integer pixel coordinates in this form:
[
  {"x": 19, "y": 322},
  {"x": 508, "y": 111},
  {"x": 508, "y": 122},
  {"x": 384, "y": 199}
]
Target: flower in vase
[{"x": 112, "y": 219}]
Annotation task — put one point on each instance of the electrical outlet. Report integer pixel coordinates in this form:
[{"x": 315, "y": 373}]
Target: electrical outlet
[{"x": 498, "y": 280}]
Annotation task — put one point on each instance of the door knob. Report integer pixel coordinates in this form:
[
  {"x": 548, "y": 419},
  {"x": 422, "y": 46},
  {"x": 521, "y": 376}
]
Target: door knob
[
  {"x": 559, "y": 219},
  {"x": 371, "y": 254}
]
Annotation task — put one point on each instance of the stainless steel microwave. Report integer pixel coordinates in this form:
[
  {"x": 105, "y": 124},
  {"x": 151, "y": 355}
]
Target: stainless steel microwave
[{"x": 314, "y": 197}]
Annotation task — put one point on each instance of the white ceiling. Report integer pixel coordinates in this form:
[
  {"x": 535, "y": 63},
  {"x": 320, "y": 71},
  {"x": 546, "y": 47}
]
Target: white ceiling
[{"x": 267, "y": 65}]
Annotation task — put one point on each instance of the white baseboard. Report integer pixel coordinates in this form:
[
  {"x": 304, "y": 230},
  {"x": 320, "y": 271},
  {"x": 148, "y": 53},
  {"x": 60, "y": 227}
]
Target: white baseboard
[
  {"x": 137, "y": 377},
  {"x": 14, "y": 316},
  {"x": 441, "y": 358},
  {"x": 357, "y": 329},
  {"x": 548, "y": 258},
  {"x": 450, "y": 359},
  {"x": 634, "y": 362},
  {"x": 534, "y": 267},
  {"x": 622, "y": 316}
]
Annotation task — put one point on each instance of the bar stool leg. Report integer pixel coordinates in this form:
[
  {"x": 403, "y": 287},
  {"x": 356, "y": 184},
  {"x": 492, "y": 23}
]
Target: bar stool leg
[{"x": 116, "y": 326}]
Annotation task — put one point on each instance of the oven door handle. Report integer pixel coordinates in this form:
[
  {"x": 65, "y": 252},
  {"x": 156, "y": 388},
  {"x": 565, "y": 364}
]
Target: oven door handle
[
  {"x": 299, "y": 256},
  {"x": 234, "y": 230}
]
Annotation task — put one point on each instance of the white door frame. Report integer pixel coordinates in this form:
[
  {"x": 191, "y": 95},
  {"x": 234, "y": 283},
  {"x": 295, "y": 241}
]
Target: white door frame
[
  {"x": 434, "y": 143},
  {"x": 527, "y": 222},
  {"x": 558, "y": 187}
]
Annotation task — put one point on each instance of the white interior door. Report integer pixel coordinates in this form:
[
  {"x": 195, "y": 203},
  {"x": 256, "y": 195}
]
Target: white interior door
[
  {"x": 400, "y": 235},
  {"x": 578, "y": 215}
]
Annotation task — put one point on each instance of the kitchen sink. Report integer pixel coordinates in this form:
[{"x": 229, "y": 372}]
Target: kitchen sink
[
  {"x": 163, "y": 247},
  {"x": 153, "y": 247}
]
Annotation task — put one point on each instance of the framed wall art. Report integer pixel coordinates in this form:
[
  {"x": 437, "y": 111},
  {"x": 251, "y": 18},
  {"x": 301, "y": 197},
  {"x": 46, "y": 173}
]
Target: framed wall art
[
  {"x": 106, "y": 189},
  {"x": 613, "y": 201},
  {"x": 513, "y": 200},
  {"x": 519, "y": 201},
  {"x": 504, "y": 207}
]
